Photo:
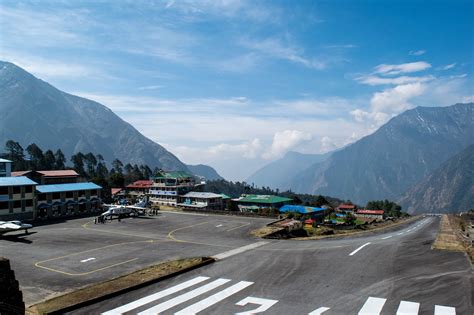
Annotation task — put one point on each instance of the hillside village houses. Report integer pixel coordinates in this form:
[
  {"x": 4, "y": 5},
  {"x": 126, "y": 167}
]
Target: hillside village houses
[
  {"x": 46, "y": 194},
  {"x": 32, "y": 195}
]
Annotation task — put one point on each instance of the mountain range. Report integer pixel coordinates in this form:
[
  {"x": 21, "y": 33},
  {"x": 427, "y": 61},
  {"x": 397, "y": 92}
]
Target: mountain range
[
  {"x": 34, "y": 111},
  {"x": 385, "y": 164},
  {"x": 449, "y": 188},
  {"x": 277, "y": 173}
]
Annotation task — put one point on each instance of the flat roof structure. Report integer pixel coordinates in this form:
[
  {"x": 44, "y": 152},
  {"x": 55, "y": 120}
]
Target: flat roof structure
[
  {"x": 373, "y": 212},
  {"x": 268, "y": 199},
  {"x": 5, "y": 161},
  {"x": 141, "y": 184},
  {"x": 174, "y": 175},
  {"x": 300, "y": 209},
  {"x": 202, "y": 195},
  {"x": 16, "y": 181},
  {"x": 53, "y": 173},
  {"x": 66, "y": 187}
]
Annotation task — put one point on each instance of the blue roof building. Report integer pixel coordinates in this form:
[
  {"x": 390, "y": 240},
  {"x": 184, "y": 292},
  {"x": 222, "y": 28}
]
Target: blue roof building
[
  {"x": 66, "y": 187},
  {"x": 301, "y": 209}
]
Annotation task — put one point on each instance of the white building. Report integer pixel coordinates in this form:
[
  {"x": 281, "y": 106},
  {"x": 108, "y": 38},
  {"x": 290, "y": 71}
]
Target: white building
[{"x": 5, "y": 168}]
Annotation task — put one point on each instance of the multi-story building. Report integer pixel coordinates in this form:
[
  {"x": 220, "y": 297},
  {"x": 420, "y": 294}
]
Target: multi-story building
[
  {"x": 50, "y": 177},
  {"x": 251, "y": 203},
  {"x": 168, "y": 186},
  {"x": 5, "y": 168},
  {"x": 17, "y": 198},
  {"x": 201, "y": 200},
  {"x": 63, "y": 200}
]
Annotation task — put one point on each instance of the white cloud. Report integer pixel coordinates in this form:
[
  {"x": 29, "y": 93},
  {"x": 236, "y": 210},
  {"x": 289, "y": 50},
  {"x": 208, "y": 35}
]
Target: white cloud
[
  {"x": 150, "y": 87},
  {"x": 417, "y": 52},
  {"x": 467, "y": 99},
  {"x": 450, "y": 66},
  {"x": 396, "y": 100},
  {"x": 376, "y": 80},
  {"x": 385, "y": 69},
  {"x": 283, "y": 141},
  {"x": 248, "y": 150},
  {"x": 274, "y": 47}
]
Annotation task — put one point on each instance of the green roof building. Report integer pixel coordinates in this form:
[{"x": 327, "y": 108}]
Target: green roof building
[{"x": 255, "y": 202}]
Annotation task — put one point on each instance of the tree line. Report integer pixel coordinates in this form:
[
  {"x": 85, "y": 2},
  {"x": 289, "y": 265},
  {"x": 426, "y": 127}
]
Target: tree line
[{"x": 89, "y": 166}]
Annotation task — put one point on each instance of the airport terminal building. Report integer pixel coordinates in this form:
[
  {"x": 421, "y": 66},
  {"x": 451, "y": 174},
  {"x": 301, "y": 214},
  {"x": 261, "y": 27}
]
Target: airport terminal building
[{"x": 168, "y": 186}]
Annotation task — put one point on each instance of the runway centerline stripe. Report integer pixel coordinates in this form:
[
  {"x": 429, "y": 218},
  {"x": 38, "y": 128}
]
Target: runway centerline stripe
[
  {"x": 88, "y": 259},
  {"x": 372, "y": 306},
  {"x": 444, "y": 310},
  {"x": 158, "y": 295},
  {"x": 184, "y": 297},
  {"x": 386, "y": 237},
  {"x": 358, "y": 249},
  {"x": 401, "y": 233},
  {"x": 408, "y": 308},
  {"x": 319, "y": 311},
  {"x": 238, "y": 250},
  {"x": 213, "y": 299}
]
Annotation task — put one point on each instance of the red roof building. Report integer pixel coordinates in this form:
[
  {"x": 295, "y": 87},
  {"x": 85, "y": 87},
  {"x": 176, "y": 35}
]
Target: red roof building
[
  {"x": 50, "y": 177},
  {"x": 139, "y": 187},
  {"x": 346, "y": 207}
]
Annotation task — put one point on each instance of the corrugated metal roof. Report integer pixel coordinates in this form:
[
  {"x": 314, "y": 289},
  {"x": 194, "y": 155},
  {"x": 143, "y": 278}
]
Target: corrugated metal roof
[
  {"x": 20, "y": 173},
  {"x": 300, "y": 209},
  {"x": 270, "y": 199},
  {"x": 16, "y": 181},
  {"x": 66, "y": 187},
  {"x": 364, "y": 211},
  {"x": 4, "y": 160},
  {"x": 203, "y": 195},
  {"x": 141, "y": 184},
  {"x": 58, "y": 173},
  {"x": 175, "y": 175}
]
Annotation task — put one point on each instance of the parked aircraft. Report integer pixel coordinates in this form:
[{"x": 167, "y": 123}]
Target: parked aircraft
[
  {"x": 11, "y": 226},
  {"x": 133, "y": 210}
]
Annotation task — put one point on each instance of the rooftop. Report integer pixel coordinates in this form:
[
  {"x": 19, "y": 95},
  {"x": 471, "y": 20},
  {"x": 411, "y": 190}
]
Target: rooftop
[
  {"x": 270, "y": 199},
  {"x": 66, "y": 187},
  {"x": 141, "y": 184},
  {"x": 377, "y": 212},
  {"x": 300, "y": 209},
  {"x": 6, "y": 161},
  {"x": 174, "y": 175},
  {"x": 202, "y": 195},
  {"x": 16, "y": 181},
  {"x": 54, "y": 173}
]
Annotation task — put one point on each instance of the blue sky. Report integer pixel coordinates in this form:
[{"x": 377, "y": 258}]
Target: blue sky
[{"x": 236, "y": 84}]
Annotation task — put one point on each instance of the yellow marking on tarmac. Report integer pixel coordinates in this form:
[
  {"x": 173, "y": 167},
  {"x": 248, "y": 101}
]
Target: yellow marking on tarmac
[
  {"x": 85, "y": 273},
  {"x": 38, "y": 264},
  {"x": 238, "y": 227},
  {"x": 170, "y": 236},
  {"x": 86, "y": 226}
]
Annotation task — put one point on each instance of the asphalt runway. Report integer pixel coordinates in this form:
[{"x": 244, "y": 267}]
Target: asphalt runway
[
  {"x": 65, "y": 256},
  {"x": 392, "y": 272},
  {"x": 383, "y": 273}
]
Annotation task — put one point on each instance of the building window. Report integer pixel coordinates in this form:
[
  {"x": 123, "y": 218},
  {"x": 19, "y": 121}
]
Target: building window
[
  {"x": 4, "y": 190},
  {"x": 56, "y": 195},
  {"x": 28, "y": 189},
  {"x": 3, "y": 205},
  {"x": 23, "y": 205},
  {"x": 16, "y": 189},
  {"x": 41, "y": 197},
  {"x": 69, "y": 194},
  {"x": 3, "y": 167},
  {"x": 28, "y": 203},
  {"x": 17, "y": 204}
]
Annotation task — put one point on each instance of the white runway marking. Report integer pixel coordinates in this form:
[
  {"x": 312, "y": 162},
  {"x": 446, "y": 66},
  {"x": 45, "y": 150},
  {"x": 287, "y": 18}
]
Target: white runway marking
[
  {"x": 319, "y": 311},
  {"x": 386, "y": 237},
  {"x": 88, "y": 259},
  {"x": 265, "y": 304},
  {"x": 408, "y": 308},
  {"x": 213, "y": 299},
  {"x": 155, "y": 296},
  {"x": 184, "y": 297},
  {"x": 372, "y": 306},
  {"x": 358, "y": 249},
  {"x": 401, "y": 233},
  {"x": 219, "y": 225},
  {"x": 444, "y": 310},
  {"x": 239, "y": 250}
]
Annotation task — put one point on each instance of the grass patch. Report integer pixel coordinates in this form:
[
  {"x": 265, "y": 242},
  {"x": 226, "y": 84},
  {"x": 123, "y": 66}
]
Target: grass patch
[{"x": 102, "y": 290}]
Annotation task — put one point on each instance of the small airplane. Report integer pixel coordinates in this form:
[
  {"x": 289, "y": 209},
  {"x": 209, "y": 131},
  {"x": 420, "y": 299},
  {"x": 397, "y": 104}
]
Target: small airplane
[
  {"x": 119, "y": 210},
  {"x": 12, "y": 226}
]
